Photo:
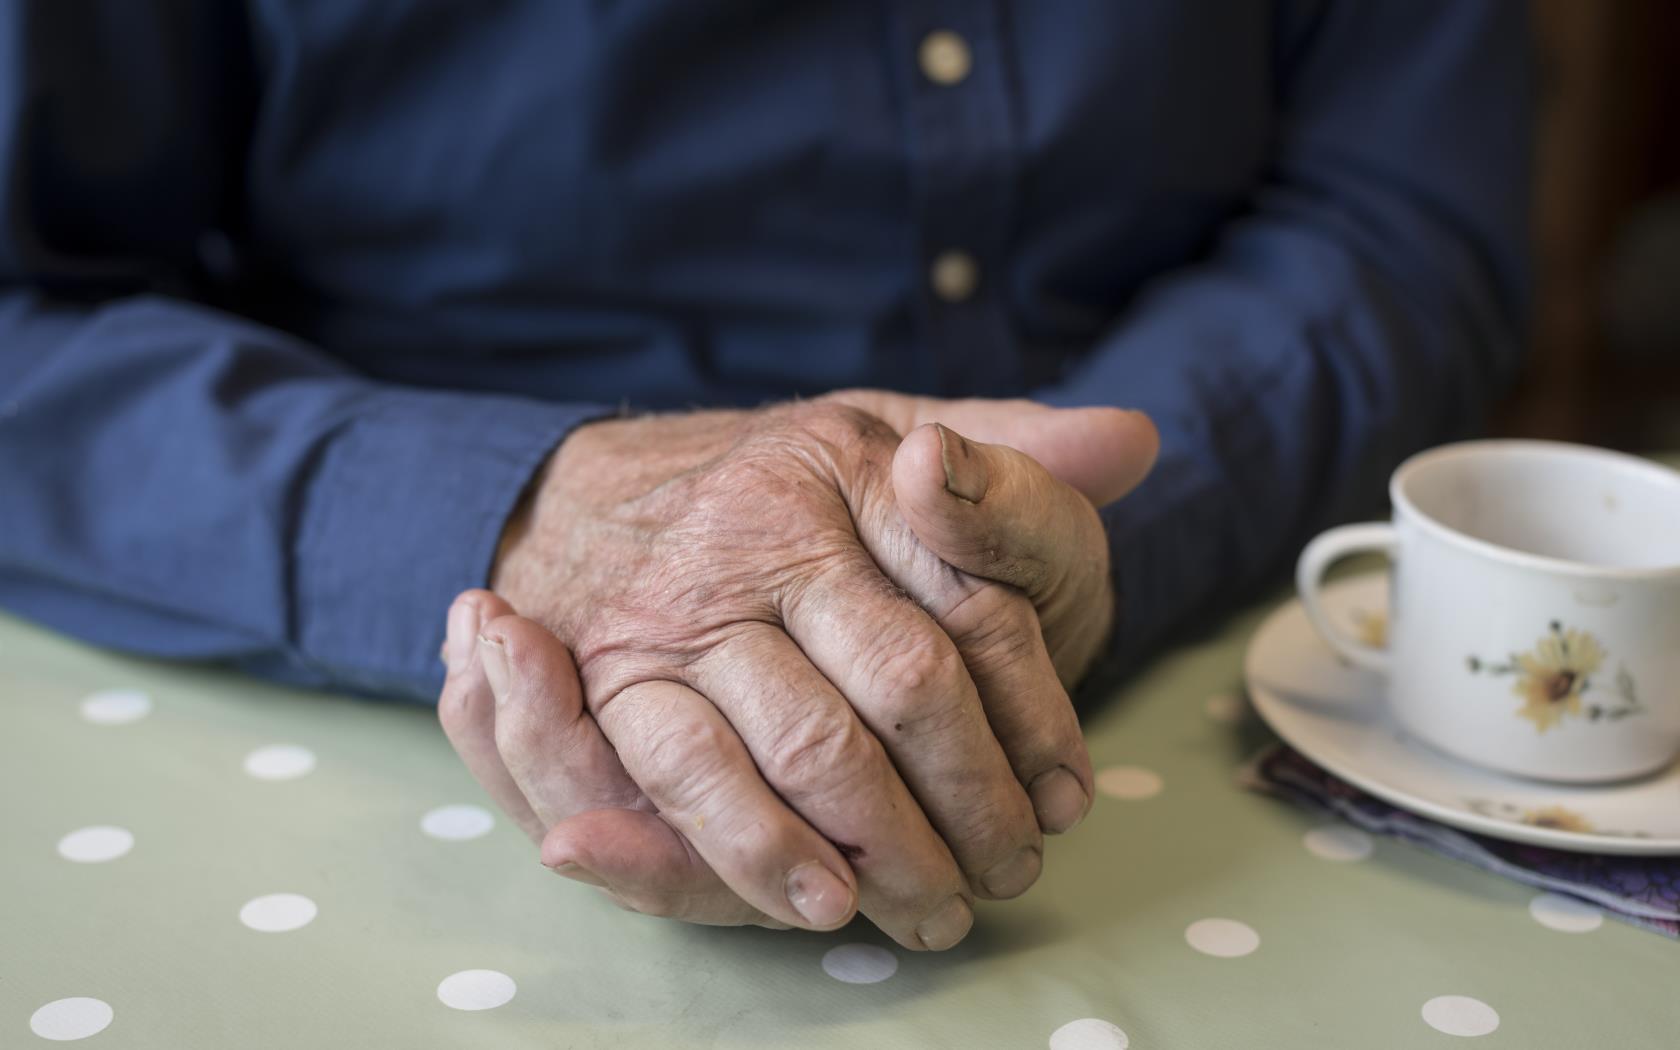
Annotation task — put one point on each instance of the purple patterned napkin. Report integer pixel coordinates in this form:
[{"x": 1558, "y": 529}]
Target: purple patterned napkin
[{"x": 1644, "y": 891}]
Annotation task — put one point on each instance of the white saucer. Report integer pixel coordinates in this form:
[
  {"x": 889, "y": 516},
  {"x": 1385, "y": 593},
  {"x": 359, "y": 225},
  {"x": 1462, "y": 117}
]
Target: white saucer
[{"x": 1334, "y": 714}]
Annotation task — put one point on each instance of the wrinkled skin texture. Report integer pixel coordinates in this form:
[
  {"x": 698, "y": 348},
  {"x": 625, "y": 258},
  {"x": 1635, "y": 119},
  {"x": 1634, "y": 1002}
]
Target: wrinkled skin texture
[{"x": 814, "y": 708}]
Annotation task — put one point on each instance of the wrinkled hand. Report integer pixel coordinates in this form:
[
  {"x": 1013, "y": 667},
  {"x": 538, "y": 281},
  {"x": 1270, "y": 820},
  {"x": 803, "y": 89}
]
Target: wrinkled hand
[
  {"x": 1017, "y": 516},
  {"x": 734, "y": 556}
]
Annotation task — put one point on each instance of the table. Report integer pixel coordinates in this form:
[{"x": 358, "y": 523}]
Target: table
[{"x": 234, "y": 792}]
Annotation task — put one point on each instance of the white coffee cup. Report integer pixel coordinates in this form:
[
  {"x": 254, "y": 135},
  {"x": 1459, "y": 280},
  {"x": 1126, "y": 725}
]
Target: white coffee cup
[{"x": 1534, "y": 612}]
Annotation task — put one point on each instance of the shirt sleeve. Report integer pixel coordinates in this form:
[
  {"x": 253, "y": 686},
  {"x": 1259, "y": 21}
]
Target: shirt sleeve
[
  {"x": 1367, "y": 303},
  {"x": 176, "y": 480}
]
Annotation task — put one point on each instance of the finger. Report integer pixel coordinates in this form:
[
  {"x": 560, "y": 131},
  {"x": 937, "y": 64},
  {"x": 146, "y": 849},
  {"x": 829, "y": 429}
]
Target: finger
[
  {"x": 563, "y": 764},
  {"x": 466, "y": 708},
  {"x": 550, "y": 745},
  {"x": 994, "y": 512},
  {"x": 996, "y": 630},
  {"x": 1100, "y": 451},
  {"x": 648, "y": 867},
  {"x": 694, "y": 768},
  {"x": 811, "y": 748},
  {"x": 907, "y": 682}
]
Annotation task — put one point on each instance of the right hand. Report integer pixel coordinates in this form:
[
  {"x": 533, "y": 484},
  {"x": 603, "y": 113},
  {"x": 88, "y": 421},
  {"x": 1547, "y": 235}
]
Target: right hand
[{"x": 733, "y": 556}]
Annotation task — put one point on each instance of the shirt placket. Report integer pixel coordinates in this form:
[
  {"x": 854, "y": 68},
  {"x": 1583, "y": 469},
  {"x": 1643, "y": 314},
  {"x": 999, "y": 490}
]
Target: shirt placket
[{"x": 962, "y": 142}]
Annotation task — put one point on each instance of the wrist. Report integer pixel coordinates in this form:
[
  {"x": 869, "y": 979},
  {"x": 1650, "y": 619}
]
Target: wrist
[
  {"x": 600, "y": 463},
  {"x": 522, "y": 522}
]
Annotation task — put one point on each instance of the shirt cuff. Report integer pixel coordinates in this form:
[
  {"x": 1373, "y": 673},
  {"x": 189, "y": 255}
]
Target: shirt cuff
[{"x": 405, "y": 511}]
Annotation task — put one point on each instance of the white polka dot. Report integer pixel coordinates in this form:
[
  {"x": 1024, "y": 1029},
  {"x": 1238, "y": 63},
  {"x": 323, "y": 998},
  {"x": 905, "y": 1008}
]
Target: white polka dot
[
  {"x": 280, "y": 762},
  {"x": 278, "y": 912},
  {"x": 1129, "y": 782},
  {"x": 115, "y": 707},
  {"x": 95, "y": 844},
  {"x": 1460, "y": 1015},
  {"x": 1088, "y": 1033},
  {"x": 859, "y": 963},
  {"x": 1225, "y": 708},
  {"x": 457, "y": 822},
  {"x": 1565, "y": 914},
  {"x": 1338, "y": 842},
  {"x": 1226, "y": 938},
  {"x": 66, "y": 1019},
  {"x": 476, "y": 990}
]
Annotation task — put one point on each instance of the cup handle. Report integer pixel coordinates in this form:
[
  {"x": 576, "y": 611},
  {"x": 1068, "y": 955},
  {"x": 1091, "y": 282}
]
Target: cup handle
[{"x": 1324, "y": 551}]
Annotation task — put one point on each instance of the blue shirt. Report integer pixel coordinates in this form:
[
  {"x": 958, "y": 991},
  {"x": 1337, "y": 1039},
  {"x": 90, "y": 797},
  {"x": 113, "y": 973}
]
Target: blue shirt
[{"x": 295, "y": 296}]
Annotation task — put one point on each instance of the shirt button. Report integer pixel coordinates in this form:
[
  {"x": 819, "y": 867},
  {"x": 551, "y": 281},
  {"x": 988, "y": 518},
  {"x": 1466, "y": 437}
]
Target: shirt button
[
  {"x": 954, "y": 276},
  {"x": 945, "y": 57}
]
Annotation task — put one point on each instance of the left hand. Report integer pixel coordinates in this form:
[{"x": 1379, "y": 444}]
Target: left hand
[
  {"x": 1016, "y": 504},
  {"x": 988, "y": 509}
]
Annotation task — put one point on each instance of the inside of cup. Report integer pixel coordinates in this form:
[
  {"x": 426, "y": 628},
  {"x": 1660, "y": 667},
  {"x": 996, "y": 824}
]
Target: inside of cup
[{"x": 1566, "y": 502}]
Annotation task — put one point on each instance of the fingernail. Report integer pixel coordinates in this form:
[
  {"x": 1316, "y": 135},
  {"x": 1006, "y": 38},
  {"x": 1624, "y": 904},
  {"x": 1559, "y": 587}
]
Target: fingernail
[
  {"x": 819, "y": 895},
  {"x": 965, "y": 475},
  {"x": 577, "y": 872},
  {"x": 493, "y": 655},
  {"x": 1058, "y": 800},
  {"x": 946, "y": 926},
  {"x": 458, "y": 637},
  {"x": 1012, "y": 877}
]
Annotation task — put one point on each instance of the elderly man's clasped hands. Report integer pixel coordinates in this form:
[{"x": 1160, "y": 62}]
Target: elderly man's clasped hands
[{"x": 779, "y": 666}]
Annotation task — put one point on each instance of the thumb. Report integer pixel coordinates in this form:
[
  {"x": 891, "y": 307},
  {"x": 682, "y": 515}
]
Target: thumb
[
  {"x": 1103, "y": 452},
  {"x": 994, "y": 512}
]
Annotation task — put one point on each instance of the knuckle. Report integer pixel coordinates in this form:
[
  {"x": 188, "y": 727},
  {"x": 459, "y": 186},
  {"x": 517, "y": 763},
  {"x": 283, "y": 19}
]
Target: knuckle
[
  {"x": 822, "y": 751},
  {"x": 913, "y": 902},
  {"x": 997, "y": 629},
  {"x": 767, "y": 843},
  {"x": 841, "y": 424},
  {"x": 919, "y": 677},
  {"x": 995, "y": 841},
  {"x": 1025, "y": 701},
  {"x": 687, "y": 761},
  {"x": 457, "y": 713},
  {"x": 1059, "y": 743},
  {"x": 758, "y": 844}
]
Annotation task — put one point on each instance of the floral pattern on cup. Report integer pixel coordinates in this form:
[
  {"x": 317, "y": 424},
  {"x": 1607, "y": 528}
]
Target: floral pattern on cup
[{"x": 1554, "y": 678}]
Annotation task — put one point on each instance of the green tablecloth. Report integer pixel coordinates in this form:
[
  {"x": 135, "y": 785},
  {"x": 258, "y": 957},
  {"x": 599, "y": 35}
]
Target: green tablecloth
[{"x": 1348, "y": 951}]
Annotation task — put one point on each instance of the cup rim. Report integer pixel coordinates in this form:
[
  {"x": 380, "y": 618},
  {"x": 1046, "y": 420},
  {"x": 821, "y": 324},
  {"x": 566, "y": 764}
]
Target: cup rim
[{"x": 1656, "y": 472}]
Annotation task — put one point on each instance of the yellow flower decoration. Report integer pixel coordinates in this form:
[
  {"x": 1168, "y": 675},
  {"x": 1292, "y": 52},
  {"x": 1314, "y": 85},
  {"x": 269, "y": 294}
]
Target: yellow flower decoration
[
  {"x": 1553, "y": 676},
  {"x": 1557, "y": 817}
]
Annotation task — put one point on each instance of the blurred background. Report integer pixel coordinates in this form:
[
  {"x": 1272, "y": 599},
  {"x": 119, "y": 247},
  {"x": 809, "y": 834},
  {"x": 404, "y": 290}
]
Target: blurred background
[{"x": 1606, "y": 365}]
